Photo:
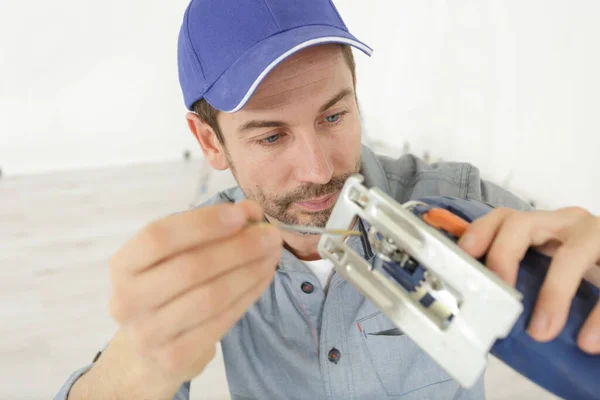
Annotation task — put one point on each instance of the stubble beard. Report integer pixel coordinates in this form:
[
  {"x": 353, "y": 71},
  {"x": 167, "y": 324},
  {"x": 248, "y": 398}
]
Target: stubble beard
[{"x": 281, "y": 207}]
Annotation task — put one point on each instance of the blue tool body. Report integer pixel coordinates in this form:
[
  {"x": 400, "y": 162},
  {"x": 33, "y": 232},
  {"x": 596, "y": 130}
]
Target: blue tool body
[{"x": 559, "y": 366}]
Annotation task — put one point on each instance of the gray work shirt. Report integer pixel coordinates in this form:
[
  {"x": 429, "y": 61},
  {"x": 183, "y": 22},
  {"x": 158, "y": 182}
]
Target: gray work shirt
[{"x": 284, "y": 346}]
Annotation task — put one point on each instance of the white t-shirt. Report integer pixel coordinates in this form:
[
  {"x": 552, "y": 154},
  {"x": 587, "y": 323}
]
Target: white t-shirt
[{"x": 323, "y": 269}]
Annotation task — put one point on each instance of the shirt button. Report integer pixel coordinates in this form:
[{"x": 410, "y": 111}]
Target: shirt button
[
  {"x": 334, "y": 355},
  {"x": 307, "y": 287}
]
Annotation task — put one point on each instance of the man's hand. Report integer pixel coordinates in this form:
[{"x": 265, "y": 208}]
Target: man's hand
[
  {"x": 571, "y": 236},
  {"x": 183, "y": 282}
]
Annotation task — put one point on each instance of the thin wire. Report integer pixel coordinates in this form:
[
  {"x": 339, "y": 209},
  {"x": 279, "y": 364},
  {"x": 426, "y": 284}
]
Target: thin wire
[{"x": 316, "y": 230}]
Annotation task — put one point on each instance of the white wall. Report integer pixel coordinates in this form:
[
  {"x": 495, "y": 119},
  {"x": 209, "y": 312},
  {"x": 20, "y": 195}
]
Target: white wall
[
  {"x": 89, "y": 84},
  {"x": 93, "y": 84},
  {"x": 489, "y": 82}
]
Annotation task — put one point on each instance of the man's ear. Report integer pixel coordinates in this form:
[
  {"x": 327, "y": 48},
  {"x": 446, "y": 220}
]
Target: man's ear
[{"x": 213, "y": 150}]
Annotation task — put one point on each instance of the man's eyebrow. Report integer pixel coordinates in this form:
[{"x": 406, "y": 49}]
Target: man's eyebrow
[
  {"x": 255, "y": 124},
  {"x": 334, "y": 100}
]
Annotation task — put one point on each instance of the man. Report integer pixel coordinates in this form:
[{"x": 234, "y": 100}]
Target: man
[{"x": 271, "y": 89}]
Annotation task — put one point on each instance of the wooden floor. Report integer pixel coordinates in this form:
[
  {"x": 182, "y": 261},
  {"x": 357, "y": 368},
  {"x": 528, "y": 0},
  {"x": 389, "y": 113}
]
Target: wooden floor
[{"x": 57, "y": 232}]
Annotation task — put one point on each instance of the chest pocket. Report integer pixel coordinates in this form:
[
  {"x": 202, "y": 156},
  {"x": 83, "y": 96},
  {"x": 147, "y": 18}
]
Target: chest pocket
[{"x": 400, "y": 364}]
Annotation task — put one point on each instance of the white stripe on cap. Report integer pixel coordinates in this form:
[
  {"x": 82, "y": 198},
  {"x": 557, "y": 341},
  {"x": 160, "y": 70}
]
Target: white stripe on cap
[{"x": 291, "y": 51}]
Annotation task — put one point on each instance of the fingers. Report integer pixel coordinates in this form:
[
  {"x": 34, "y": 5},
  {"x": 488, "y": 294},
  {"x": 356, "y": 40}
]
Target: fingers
[
  {"x": 253, "y": 210},
  {"x": 589, "y": 336},
  {"x": 519, "y": 232},
  {"x": 203, "y": 303},
  {"x": 177, "y": 275},
  {"x": 508, "y": 249},
  {"x": 506, "y": 235},
  {"x": 481, "y": 232},
  {"x": 175, "y": 355},
  {"x": 578, "y": 253},
  {"x": 177, "y": 233},
  {"x": 184, "y": 273},
  {"x": 569, "y": 235},
  {"x": 593, "y": 275}
]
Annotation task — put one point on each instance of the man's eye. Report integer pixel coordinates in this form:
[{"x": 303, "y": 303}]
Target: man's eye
[
  {"x": 271, "y": 139},
  {"x": 332, "y": 119},
  {"x": 336, "y": 118}
]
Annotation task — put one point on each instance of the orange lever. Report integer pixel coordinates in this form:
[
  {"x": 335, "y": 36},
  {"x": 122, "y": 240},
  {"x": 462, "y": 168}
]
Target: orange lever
[{"x": 443, "y": 219}]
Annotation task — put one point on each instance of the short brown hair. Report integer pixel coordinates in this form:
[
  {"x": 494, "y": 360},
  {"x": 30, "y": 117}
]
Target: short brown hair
[{"x": 208, "y": 113}]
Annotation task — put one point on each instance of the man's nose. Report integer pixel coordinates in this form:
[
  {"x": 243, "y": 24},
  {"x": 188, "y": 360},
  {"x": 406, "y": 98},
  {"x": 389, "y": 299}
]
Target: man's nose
[{"x": 314, "y": 164}]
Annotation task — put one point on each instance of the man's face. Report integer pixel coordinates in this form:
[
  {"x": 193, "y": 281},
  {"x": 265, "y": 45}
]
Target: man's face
[{"x": 298, "y": 139}]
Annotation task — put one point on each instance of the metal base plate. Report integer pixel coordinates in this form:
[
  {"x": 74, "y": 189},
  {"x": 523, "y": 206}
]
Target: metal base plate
[{"x": 488, "y": 307}]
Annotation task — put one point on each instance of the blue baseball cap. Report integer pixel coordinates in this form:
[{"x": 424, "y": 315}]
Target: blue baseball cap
[{"x": 227, "y": 47}]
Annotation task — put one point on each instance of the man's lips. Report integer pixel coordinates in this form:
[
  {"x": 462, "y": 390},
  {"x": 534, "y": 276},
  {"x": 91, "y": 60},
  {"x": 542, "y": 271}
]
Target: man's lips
[{"x": 319, "y": 204}]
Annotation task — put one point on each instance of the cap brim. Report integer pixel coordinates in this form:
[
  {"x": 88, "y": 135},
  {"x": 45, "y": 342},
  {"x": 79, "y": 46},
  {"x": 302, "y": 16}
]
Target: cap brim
[{"x": 238, "y": 83}]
